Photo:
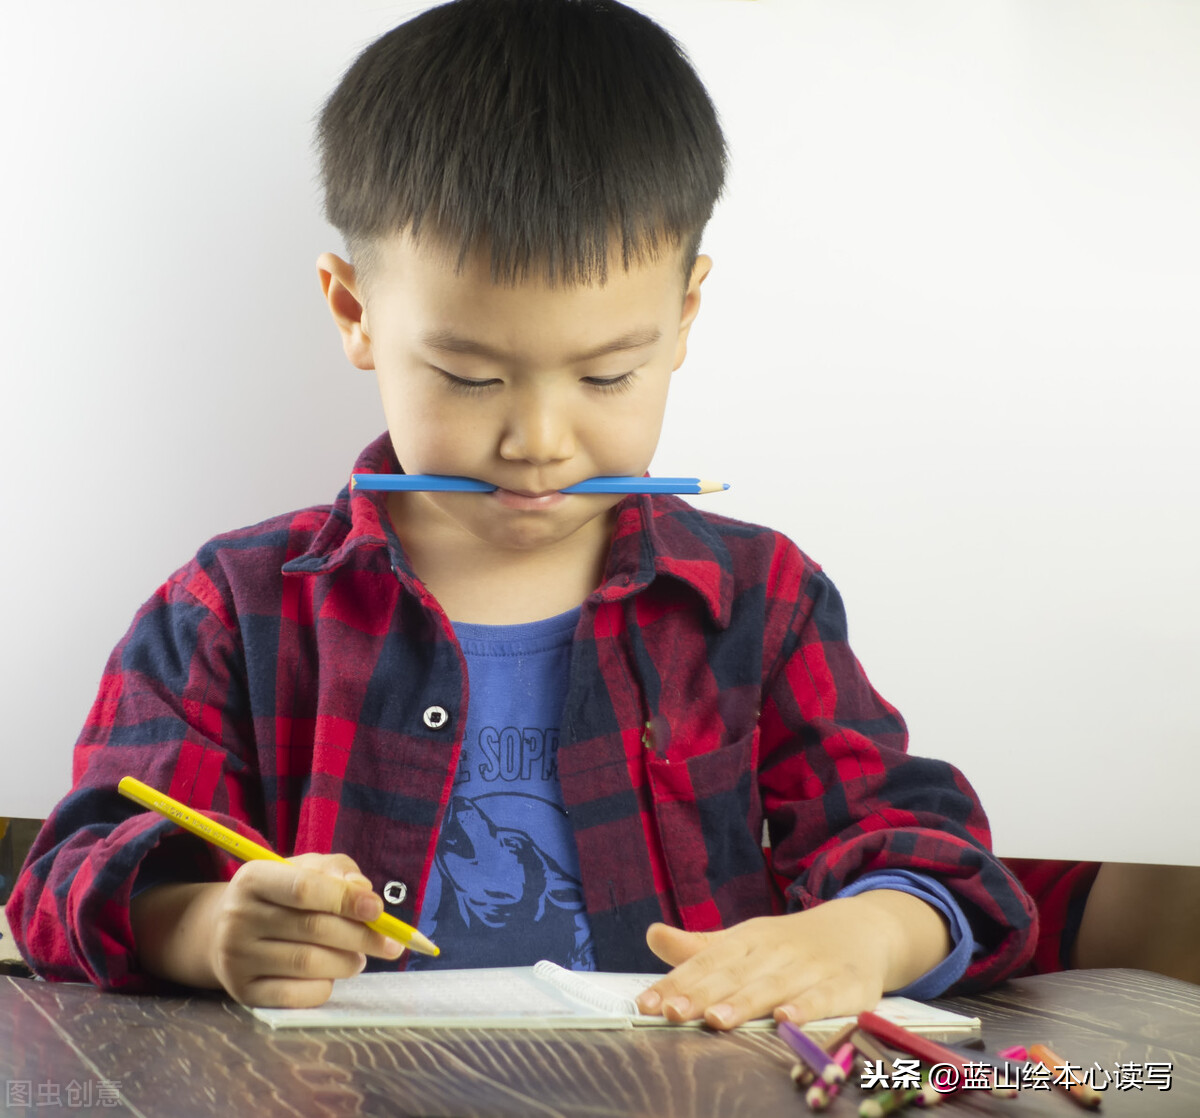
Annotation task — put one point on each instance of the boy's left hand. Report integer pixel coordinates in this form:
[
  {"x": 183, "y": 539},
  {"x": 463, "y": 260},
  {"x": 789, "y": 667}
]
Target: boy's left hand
[{"x": 836, "y": 958}]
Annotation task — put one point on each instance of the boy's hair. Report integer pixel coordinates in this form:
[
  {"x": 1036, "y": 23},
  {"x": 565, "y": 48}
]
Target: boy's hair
[{"x": 542, "y": 131}]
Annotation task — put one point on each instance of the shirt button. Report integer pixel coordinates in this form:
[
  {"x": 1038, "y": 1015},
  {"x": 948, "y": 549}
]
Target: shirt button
[
  {"x": 435, "y": 717},
  {"x": 394, "y": 892}
]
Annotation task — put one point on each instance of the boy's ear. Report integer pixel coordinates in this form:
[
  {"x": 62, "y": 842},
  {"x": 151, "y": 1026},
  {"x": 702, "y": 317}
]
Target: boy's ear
[
  {"x": 339, "y": 285},
  {"x": 691, "y": 306}
]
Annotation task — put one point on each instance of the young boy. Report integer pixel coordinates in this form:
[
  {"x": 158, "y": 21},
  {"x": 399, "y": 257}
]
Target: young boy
[{"x": 620, "y": 733}]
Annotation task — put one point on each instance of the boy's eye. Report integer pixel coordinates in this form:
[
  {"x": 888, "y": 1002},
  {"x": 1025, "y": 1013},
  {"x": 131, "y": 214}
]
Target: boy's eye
[
  {"x": 612, "y": 384},
  {"x": 463, "y": 384}
]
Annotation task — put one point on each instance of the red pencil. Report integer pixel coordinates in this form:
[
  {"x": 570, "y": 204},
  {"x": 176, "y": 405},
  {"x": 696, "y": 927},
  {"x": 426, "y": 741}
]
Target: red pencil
[{"x": 922, "y": 1047}]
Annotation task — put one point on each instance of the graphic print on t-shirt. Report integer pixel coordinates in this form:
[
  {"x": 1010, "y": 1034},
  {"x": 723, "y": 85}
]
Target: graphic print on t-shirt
[
  {"x": 492, "y": 873},
  {"x": 504, "y": 889}
]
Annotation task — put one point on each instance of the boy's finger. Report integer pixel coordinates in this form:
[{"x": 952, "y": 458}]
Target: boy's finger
[
  {"x": 674, "y": 946},
  {"x": 761, "y": 995},
  {"x": 329, "y": 930},
  {"x": 735, "y": 984},
  {"x": 828, "y": 998},
  {"x": 283, "y": 959},
  {"x": 310, "y": 890},
  {"x": 384, "y": 947},
  {"x": 345, "y": 867},
  {"x": 705, "y": 960},
  {"x": 338, "y": 865},
  {"x": 285, "y": 993},
  {"x": 295, "y": 976},
  {"x": 361, "y": 904}
]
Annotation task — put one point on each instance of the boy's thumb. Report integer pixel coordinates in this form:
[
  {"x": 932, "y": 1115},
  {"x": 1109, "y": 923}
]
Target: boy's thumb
[{"x": 673, "y": 945}]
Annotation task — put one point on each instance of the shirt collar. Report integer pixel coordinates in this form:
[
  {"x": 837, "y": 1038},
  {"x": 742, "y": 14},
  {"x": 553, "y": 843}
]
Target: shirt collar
[
  {"x": 356, "y": 521},
  {"x": 665, "y": 536},
  {"x": 660, "y": 536}
]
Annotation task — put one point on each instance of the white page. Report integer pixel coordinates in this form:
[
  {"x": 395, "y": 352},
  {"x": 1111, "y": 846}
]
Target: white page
[
  {"x": 514, "y": 997},
  {"x": 488, "y": 997}
]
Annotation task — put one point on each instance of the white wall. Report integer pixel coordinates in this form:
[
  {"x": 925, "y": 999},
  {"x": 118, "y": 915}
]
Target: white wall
[{"x": 949, "y": 346}]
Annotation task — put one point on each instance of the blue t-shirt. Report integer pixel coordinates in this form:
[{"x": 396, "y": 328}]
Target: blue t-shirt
[{"x": 504, "y": 889}]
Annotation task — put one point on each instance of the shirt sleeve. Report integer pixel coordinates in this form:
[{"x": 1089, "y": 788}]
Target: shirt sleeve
[
  {"x": 938, "y": 979},
  {"x": 844, "y": 798},
  {"x": 172, "y": 711},
  {"x": 1060, "y": 890}
]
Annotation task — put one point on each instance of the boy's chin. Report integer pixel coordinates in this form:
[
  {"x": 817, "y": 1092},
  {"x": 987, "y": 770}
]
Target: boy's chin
[{"x": 534, "y": 529}]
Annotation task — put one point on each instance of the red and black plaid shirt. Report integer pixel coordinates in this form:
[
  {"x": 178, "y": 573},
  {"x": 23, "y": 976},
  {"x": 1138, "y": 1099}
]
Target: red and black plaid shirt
[{"x": 280, "y": 682}]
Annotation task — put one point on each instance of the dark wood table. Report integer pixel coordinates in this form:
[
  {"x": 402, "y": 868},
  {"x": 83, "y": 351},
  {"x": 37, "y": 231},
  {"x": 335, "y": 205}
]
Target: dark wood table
[{"x": 67, "y": 1050}]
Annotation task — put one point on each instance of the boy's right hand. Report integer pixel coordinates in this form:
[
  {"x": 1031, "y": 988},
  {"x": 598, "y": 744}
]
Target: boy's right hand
[{"x": 276, "y": 934}]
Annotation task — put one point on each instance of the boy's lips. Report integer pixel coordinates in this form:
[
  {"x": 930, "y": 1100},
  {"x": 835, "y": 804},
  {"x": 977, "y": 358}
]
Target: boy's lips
[{"x": 526, "y": 500}]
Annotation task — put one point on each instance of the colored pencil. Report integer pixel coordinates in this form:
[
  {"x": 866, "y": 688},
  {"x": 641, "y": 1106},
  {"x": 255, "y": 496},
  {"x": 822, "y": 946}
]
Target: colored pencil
[
  {"x": 975, "y": 1054},
  {"x": 820, "y": 1095},
  {"x": 824, "y": 1067},
  {"x": 871, "y": 1051},
  {"x": 442, "y": 483},
  {"x": 930, "y": 1095},
  {"x": 888, "y": 1102},
  {"x": 834, "y": 1044},
  {"x": 420, "y": 483},
  {"x": 924, "y": 1048},
  {"x": 647, "y": 485},
  {"x": 233, "y": 843},
  {"x": 802, "y": 1074},
  {"x": 1078, "y": 1091}
]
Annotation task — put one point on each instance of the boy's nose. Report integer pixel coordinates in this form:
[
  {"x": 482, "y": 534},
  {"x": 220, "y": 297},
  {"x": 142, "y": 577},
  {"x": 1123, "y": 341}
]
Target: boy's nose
[{"x": 537, "y": 431}]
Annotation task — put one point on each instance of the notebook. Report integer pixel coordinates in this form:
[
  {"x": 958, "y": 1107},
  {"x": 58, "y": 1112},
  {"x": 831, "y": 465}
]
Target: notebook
[{"x": 544, "y": 996}]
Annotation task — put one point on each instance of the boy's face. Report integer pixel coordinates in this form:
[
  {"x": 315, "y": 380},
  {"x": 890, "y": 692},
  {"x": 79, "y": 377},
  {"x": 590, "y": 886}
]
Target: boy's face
[{"x": 530, "y": 387}]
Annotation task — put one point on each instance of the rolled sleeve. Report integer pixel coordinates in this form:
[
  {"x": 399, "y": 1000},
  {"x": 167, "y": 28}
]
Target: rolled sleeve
[{"x": 936, "y": 981}]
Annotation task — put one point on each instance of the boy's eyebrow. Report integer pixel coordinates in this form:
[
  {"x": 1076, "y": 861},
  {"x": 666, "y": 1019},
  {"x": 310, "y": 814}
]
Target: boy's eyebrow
[{"x": 449, "y": 342}]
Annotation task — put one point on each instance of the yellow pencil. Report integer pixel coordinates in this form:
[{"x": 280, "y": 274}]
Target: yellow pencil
[{"x": 233, "y": 843}]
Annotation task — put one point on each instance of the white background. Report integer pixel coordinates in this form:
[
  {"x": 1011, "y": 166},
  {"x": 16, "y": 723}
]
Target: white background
[{"x": 949, "y": 346}]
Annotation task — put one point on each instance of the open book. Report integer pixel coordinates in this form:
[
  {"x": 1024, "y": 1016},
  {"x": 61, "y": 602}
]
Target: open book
[{"x": 544, "y": 996}]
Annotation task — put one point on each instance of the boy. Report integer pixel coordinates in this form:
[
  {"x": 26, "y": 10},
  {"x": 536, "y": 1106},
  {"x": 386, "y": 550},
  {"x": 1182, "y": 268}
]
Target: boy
[{"x": 540, "y": 724}]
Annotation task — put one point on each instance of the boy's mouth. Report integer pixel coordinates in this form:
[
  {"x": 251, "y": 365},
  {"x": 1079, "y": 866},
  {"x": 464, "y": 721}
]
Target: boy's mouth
[{"x": 526, "y": 501}]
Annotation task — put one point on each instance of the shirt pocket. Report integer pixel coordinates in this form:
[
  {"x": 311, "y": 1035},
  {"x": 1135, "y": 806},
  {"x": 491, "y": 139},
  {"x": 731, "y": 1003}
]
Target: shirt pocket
[{"x": 709, "y": 817}]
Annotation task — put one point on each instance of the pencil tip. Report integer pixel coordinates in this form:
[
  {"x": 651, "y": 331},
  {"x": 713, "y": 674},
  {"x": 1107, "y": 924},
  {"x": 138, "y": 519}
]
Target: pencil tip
[{"x": 424, "y": 945}]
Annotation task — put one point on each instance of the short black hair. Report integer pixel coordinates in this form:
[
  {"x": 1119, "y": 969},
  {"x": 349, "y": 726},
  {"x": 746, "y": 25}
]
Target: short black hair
[{"x": 542, "y": 131}]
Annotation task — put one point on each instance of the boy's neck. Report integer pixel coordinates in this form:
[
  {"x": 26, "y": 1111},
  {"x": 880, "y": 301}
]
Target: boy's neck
[{"x": 480, "y": 584}]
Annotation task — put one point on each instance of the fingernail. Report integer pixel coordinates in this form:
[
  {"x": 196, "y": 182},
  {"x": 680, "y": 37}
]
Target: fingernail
[
  {"x": 394, "y": 947},
  {"x": 368, "y": 906},
  {"x": 362, "y": 964},
  {"x": 650, "y": 1001},
  {"x": 721, "y": 1015},
  {"x": 678, "y": 1006}
]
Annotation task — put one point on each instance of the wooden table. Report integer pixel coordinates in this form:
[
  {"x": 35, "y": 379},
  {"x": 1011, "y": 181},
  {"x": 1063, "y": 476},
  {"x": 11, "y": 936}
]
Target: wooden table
[{"x": 75, "y": 1050}]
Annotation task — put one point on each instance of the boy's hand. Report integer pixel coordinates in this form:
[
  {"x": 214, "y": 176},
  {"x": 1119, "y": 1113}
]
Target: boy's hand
[
  {"x": 837, "y": 958},
  {"x": 276, "y": 934}
]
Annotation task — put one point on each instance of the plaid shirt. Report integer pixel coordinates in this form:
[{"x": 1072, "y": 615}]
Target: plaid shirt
[{"x": 722, "y": 753}]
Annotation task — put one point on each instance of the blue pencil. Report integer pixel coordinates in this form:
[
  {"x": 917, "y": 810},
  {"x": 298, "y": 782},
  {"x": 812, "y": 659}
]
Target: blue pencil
[{"x": 439, "y": 483}]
